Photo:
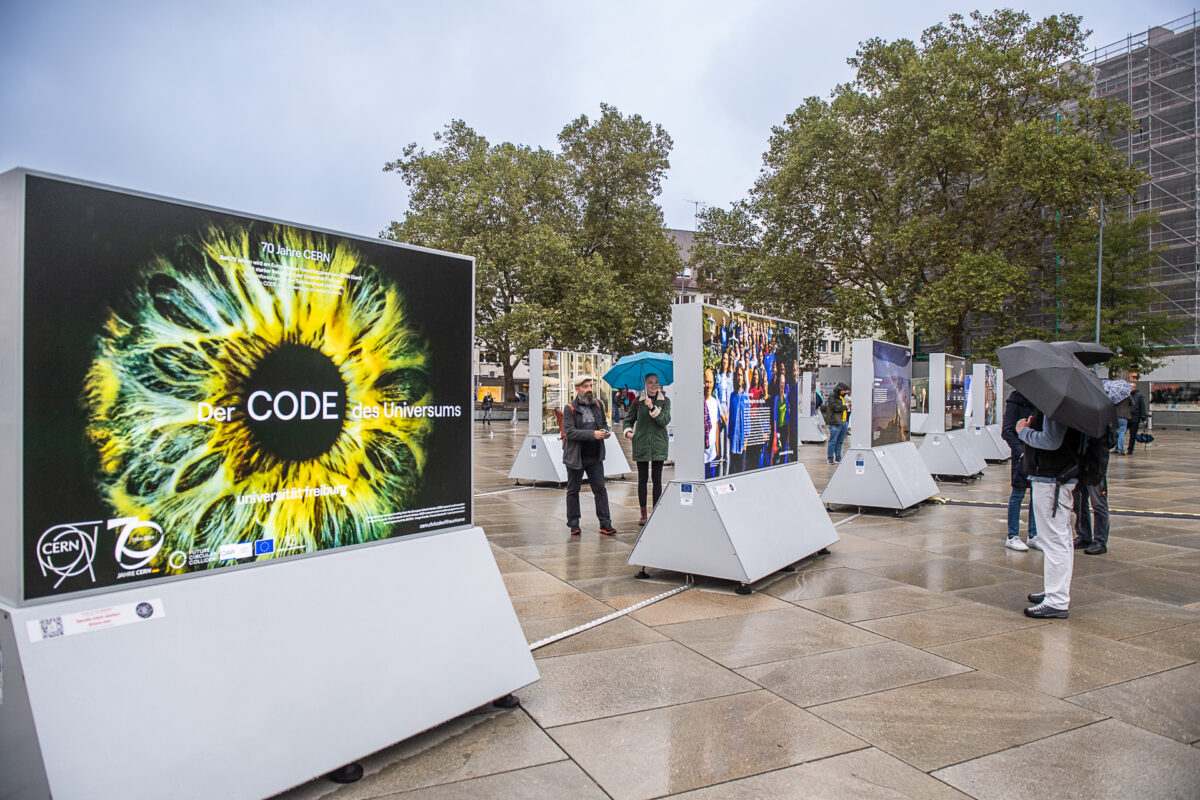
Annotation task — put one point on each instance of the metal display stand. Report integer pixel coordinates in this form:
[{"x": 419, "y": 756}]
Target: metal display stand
[
  {"x": 951, "y": 454},
  {"x": 251, "y": 670},
  {"x": 812, "y": 430},
  {"x": 235, "y": 682},
  {"x": 738, "y": 528},
  {"x": 989, "y": 443},
  {"x": 811, "y": 426},
  {"x": 893, "y": 477},
  {"x": 888, "y": 476},
  {"x": 986, "y": 438},
  {"x": 541, "y": 454}
]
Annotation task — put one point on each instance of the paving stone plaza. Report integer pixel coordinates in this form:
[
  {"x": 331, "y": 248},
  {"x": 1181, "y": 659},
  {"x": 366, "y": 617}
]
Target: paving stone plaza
[{"x": 899, "y": 665}]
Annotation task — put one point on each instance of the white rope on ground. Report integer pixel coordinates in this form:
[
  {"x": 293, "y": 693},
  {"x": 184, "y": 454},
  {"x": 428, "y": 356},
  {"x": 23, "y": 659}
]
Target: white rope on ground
[
  {"x": 504, "y": 491},
  {"x": 609, "y": 617},
  {"x": 635, "y": 607}
]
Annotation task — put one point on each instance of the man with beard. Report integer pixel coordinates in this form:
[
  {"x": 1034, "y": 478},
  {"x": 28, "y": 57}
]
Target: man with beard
[{"x": 584, "y": 430}]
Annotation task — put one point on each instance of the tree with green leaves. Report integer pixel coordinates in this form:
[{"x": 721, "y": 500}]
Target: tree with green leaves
[
  {"x": 926, "y": 193},
  {"x": 570, "y": 250},
  {"x": 1127, "y": 327}
]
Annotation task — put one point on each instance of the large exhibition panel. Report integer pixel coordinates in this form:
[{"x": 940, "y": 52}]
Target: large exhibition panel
[
  {"x": 225, "y": 391},
  {"x": 219, "y": 429},
  {"x": 741, "y": 505}
]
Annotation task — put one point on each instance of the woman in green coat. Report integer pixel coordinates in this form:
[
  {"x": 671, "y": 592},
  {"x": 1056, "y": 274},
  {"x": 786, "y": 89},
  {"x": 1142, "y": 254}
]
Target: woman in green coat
[{"x": 646, "y": 424}]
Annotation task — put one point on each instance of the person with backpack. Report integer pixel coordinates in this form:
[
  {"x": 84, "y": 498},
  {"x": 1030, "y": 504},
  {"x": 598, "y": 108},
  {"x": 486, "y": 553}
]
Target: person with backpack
[
  {"x": 1138, "y": 414},
  {"x": 1091, "y": 526},
  {"x": 837, "y": 416},
  {"x": 584, "y": 429},
  {"x": 646, "y": 424},
  {"x": 1018, "y": 408},
  {"x": 1051, "y": 462},
  {"x": 488, "y": 402}
]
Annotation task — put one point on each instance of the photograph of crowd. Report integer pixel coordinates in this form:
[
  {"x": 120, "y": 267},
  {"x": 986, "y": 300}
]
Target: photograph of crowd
[
  {"x": 956, "y": 393},
  {"x": 891, "y": 392},
  {"x": 751, "y": 392}
]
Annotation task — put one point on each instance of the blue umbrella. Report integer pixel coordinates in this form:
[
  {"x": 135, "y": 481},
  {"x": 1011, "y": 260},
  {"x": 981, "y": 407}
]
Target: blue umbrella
[{"x": 630, "y": 372}]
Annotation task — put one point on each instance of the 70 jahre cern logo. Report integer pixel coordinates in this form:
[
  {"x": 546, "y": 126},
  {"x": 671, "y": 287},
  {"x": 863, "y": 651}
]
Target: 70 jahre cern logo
[{"x": 68, "y": 550}]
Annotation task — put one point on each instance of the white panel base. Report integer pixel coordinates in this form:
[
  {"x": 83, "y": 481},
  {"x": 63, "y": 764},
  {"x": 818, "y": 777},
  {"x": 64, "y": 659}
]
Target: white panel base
[
  {"x": 918, "y": 422},
  {"x": 893, "y": 476},
  {"x": 540, "y": 459},
  {"x": 257, "y": 680},
  {"x": 811, "y": 429},
  {"x": 739, "y": 528},
  {"x": 989, "y": 443},
  {"x": 951, "y": 454}
]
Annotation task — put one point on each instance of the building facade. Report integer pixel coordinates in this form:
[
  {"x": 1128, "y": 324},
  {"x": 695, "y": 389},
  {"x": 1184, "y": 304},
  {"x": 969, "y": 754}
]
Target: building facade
[{"x": 1156, "y": 73}]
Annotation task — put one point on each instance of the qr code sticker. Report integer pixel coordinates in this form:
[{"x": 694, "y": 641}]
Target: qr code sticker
[{"x": 52, "y": 627}]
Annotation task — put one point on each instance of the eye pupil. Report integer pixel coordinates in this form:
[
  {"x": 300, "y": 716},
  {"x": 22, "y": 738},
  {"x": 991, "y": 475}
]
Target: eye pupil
[{"x": 294, "y": 403}]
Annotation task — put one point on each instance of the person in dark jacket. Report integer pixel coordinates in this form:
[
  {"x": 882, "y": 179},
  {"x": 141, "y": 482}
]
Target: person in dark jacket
[
  {"x": 1017, "y": 408},
  {"x": 646, "y": 424},
  {"x": 584, "y": 430},
  {"x": 837, "y": 417},
  {"x": 1138, "y": 414}
]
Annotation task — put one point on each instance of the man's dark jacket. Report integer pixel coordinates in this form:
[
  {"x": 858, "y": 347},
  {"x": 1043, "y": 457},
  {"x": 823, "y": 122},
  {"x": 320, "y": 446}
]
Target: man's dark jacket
[
  {"x": 1016, "y": 408},
  {"x": 575, "y": 433}
]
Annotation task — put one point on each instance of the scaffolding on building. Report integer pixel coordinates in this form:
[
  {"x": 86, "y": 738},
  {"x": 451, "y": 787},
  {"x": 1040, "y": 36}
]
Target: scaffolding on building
[{"x": 1156, "y": 74}]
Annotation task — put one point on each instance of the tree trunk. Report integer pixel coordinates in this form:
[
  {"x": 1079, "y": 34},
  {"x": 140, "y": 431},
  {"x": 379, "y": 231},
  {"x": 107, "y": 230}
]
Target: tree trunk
[{"x": 510, "y": 390}]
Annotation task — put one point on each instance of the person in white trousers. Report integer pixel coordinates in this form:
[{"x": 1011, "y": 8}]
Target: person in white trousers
[{"x": 1047, "y": 455}]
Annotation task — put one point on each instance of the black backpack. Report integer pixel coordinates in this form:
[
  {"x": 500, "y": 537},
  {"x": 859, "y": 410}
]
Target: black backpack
[{"x": 1091, "y": 457}]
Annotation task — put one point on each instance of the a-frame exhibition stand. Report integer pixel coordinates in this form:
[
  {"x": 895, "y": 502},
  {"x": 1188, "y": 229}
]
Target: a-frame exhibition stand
[
  {"x": 540, "y": 456},
  {"x": 890, "y": 476},
  {"x": 946, "y": 451},
  {"x": 810, "y": 427},
  {"x": 739, "y": 527},
  {"x": 272, "y": 675},
  {"x": 984, "y": 435}
]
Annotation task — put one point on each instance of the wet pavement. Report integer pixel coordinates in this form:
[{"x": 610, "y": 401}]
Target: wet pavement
[{"x": 899, "y": 665}]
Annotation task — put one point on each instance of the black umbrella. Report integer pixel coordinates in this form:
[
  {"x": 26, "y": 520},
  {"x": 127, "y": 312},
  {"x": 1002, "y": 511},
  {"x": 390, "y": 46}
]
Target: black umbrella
[
  {"x": 1058, "y": 385},
  {"x": 1088, "y": 353}
]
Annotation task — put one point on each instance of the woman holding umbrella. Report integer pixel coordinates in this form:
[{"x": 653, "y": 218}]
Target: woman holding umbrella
[{"x": 646, "y": 424}]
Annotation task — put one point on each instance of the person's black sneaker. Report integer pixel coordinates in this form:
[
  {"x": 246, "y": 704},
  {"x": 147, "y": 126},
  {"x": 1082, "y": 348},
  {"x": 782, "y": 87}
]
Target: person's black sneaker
[
  {"x": 1037, "y": 597},
  {"x": 609, "y": 530},
  {"x": 1095, "y": 549},
  {"x": 1043, "y": 611},
  {"x": 575, "y": 531},
  {"x": 1081, "y": 543},
  {"x": 830, "y": 460}
]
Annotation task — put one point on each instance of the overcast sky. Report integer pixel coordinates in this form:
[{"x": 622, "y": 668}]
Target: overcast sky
[{"x": 291, "y": 109}]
